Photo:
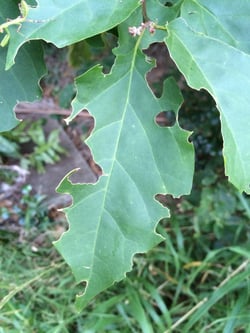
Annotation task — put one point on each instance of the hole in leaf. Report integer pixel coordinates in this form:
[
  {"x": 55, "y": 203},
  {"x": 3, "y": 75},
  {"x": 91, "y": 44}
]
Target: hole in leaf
[
  {"x": 168, "y": 200},
  {"x": 168, "y": 4},
  {"x": 166, "y": 118},
  {"x": 164, "y": 67}
]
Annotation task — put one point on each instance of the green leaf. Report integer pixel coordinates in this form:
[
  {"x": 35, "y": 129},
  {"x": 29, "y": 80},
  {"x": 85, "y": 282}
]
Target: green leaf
[
  {"x": 64, "y": 23},
  {"x": 157, "y": 13},
  {"x": 8, "y": 148},
  {"x": 223, "y": 70},
  {"x": 228, "y": 23},
  {"x": 20, "y": 83},
  {"x": 115, "y": 218}
]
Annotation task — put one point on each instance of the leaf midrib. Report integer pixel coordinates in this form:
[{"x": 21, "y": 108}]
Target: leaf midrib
[{"x": 116, "y": 149}]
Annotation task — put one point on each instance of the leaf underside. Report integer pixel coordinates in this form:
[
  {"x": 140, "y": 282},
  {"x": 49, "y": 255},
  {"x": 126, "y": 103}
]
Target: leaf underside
[
  {"x": 213, "y": 54},
  {"x": 115, "y": 218}
]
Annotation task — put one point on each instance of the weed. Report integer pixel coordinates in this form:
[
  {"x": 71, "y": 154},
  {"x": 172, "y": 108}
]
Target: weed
[{"x": 29, "y": 143}]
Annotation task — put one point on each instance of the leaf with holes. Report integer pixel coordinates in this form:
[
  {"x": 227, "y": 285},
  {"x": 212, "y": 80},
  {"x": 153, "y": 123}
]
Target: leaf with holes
[
  {"x": 115, "y": 218},
  {"x": 64, "y": 23},
  {"x": 217, "y": 60}
]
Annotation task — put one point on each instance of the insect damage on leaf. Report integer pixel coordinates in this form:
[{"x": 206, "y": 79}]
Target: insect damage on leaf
[{"x": 116, "y": 218}]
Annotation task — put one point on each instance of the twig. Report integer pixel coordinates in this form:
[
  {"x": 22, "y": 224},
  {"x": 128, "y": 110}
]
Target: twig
[
  {"x": 183, "y": 318},
  {"x": 144, "y": 11},
  {"x": 235, "y": 272},
  {"x": 25, "y": 109}
]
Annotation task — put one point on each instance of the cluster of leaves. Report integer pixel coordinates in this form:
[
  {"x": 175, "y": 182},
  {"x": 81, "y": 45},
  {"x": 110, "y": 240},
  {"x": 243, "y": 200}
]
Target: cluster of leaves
[
  {"x": 30, "y": 145},
  {"x": 138, "y": 158},
  {"x": 28, "y": 212}
]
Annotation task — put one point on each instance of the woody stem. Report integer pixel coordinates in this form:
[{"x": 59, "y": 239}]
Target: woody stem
[{"x": 144, "y": 11}]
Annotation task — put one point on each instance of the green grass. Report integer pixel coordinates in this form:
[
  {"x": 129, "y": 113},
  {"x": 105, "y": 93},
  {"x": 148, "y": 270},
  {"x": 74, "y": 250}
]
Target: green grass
[{"x": 195, "y": 281}]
